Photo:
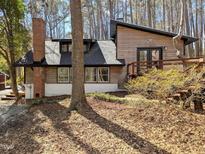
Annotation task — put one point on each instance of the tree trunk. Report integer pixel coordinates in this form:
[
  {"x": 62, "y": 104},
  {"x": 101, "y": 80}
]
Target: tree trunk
[
  {"x": 12, "y": 72},
  {"x": 192, "y": 27},
  {"x": 111, "y": 9},
  {"x": 196, "y": 30},
  {"x": 78, "y": 99},
  {"x": 149, "y": 13},
  {"x": 168, "y": 16},
  {"x": 198, "y": 106},
  {"x": 136, "y": 14},
  {"x": 131, "y": 14},
  {"x": 164, "y": 17},
  {"x": 12, "y": 69},
  {"x": 177, "y": 38},
  {"x": 154, "y": 14},
  {"x": 172, "y": 16},
  {"x": 201, "y": 28}
]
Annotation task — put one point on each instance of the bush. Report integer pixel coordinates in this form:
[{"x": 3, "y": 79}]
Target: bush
[
  {"x": 107, "y": 97},
  {"x": 159, "y": 84},
  {"x": 130, "y": 100}
]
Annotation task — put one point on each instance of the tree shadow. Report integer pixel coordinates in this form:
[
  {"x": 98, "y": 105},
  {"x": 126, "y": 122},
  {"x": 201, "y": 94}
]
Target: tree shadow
[
  {"x": 57, "y": 118},
  {"x": 128, "y": 136},
  {"x": 16, "y": 135}
]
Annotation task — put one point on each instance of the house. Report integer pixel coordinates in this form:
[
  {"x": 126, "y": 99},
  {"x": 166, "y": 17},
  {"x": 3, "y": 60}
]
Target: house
[
  {"x": 3, "y": 79},
  {"x": 48, "y": 66}
]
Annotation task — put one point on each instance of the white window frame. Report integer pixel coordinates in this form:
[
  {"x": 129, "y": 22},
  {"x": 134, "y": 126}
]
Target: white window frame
[
  {"x": 95, "y": 75},
  {"x": 107, "y": 74},
  {"x": 67, "y": 48},
  {"x": 67, "y": 74}
]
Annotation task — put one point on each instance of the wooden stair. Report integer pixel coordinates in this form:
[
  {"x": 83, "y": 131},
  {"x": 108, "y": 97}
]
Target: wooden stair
[
  {"x": 181, "y": 95},
  {"x": 11, "y": 96},
  {"x": 184, "y": 94}
]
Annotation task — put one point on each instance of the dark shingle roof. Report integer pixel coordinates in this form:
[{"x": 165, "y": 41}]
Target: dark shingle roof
[
  {"x": 101, "y": 53},
  {"x": 114, "y": 23}
]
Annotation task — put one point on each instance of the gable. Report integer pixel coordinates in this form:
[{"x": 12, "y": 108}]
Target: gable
[{"x": 114, "y": 24}]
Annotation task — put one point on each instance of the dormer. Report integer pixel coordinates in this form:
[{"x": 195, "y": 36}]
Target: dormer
[{"x": 66, "y": 44}]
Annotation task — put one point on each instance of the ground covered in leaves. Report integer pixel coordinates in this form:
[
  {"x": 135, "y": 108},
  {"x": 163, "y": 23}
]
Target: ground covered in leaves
[{"x": 109, "y": 128}]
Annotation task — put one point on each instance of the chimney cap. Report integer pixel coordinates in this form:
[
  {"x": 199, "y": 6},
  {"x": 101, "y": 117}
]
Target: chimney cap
[{"x": 35, "y": 18}]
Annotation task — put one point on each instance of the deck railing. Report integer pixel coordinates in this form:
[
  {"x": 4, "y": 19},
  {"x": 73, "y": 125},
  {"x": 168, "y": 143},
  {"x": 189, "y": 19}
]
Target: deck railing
[{"x": 133, "y": 69}]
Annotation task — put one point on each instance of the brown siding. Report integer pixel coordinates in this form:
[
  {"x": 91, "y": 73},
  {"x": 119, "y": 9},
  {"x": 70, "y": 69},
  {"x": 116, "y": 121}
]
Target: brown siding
[
  {"x": 115, "y": 71},
  {"x": 51, "y": 75},
  {"x": 129, "y": 39},
  {"x": 29, "y": 75}
]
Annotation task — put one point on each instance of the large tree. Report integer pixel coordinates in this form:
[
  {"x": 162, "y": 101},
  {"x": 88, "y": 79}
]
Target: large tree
[
  {"x": 14, "y": 37},
  {"x": 78, "y": 99}
]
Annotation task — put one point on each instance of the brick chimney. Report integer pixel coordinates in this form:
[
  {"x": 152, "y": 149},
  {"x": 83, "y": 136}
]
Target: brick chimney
[{"x": 38, "y": 26}]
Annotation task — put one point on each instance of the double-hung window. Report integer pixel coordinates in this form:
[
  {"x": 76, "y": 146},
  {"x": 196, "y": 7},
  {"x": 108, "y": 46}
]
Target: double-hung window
[
  {"x": 63, "y": 75},
  {"x": 103, "y": 74},
  {"x": 90, "y": 74},
  {"x": 64, "y": 47},
  {"x": 97, "y": 74}
]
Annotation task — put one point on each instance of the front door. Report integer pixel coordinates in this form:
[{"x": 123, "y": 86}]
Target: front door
[{"x": 148, "y": 58}]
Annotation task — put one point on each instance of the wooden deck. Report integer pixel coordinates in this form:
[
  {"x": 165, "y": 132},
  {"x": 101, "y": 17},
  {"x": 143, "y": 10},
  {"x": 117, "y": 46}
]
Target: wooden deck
[{"x": 135, "y": 69}]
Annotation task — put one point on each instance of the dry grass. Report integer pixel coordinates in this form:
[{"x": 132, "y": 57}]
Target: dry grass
[
  {"x": 159, "y": 84},
  {"x": 110, "y": 128}
]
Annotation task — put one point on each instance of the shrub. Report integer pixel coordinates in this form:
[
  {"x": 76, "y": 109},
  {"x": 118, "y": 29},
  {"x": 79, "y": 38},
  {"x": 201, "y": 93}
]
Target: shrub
[
  {"x": 131, "y": 100},
  {"x": 107, "y": 97},
  {"x": 159, "y": 84}
]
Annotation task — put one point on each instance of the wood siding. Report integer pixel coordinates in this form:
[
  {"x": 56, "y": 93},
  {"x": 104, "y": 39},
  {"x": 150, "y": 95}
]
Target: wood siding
[
  {"x": 129, "y": 39},
  {"x": 115, "y": 72},
  {"x": 52, "y": 75},
  {"x": 29, "y": 75}
]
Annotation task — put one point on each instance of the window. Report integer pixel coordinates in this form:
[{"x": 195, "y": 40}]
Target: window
[
  {"x": 63, "y": 74},
  {"x": 70, "y": 47},
  {"x": 97, "y": 74},
  {"x": 71, "y": 73},
  {"x": 64, "y": 47},
  {"x": 103, "y": 74},
  {"x": 85, "y": 48},
  {"x": 90, "y": 74}
]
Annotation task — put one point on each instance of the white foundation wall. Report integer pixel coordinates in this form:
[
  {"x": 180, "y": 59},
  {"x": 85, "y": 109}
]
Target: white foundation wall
[
  {"x": 66, "y": 89},
  {"x": 28, "y": 91}
]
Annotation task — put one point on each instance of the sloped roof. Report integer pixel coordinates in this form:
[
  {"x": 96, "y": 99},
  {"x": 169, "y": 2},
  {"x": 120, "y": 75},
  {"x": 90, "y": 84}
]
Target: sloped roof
[
  {"x": 114, "y": 23},
  {"x": 101, "y": 53}
]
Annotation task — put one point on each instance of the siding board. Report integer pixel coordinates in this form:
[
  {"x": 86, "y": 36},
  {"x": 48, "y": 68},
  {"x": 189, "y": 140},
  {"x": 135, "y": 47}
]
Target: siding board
[
  {"x": 51, "y": 75},
  {"x": 129, "y": 39}
]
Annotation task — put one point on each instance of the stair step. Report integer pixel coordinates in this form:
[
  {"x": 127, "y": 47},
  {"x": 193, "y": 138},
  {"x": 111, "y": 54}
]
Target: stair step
[
  {"x": 10, "y": 95},
  {"x": 20, "y": 93},
  {"x": 8, "y": 98}
]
